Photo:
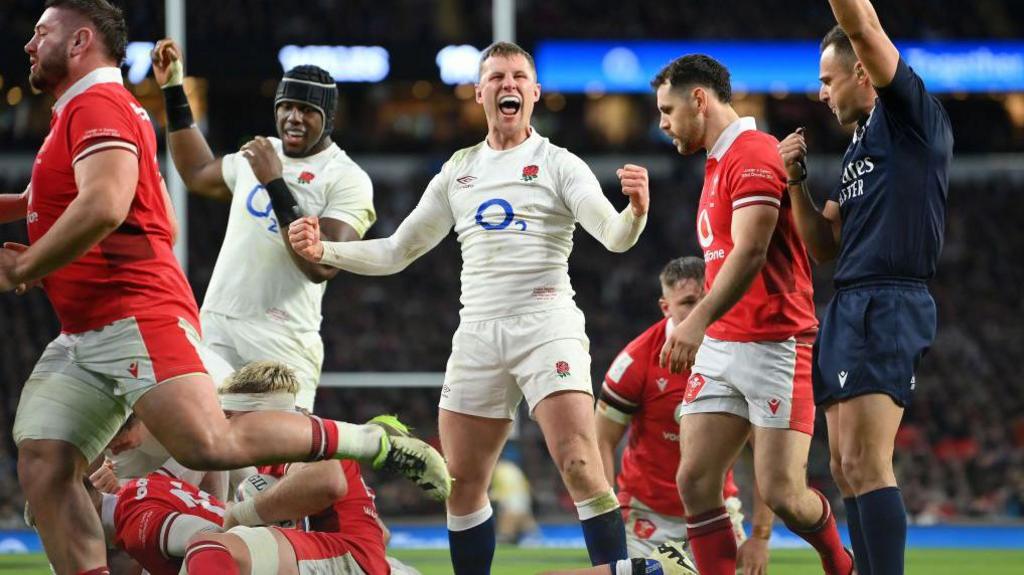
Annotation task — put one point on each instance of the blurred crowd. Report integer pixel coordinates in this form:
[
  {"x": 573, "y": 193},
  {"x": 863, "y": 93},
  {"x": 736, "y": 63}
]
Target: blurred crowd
[{"x": 960, "y": 453}]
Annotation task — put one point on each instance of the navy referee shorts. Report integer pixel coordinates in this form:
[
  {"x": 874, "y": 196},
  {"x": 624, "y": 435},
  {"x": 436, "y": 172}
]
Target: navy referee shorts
[{"x": 871, "y": 340}]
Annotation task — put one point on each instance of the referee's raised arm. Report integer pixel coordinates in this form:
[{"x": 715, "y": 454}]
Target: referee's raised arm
[{"x": 875, "y": 51}]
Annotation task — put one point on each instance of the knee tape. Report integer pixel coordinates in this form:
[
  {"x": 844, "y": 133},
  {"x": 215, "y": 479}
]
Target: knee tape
[{"x": 262, "y": 548}]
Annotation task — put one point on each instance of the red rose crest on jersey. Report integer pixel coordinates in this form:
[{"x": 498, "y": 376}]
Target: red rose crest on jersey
[
  {"x": 693, "y": 387},
  {"x": 530, "y": 173},
  {"x": 562, "y": 369},
  {"x": 306, "y": 177},
  {"x": 644, "y": 528}
]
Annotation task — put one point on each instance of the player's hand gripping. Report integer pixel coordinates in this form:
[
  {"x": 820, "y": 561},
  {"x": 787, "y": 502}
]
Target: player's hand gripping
[
  {"x": 680, "y": 349},
  {"x": 263, "y": 159},
  {"x": 304, "y": 235},
  {"x": 793, "y": 150},
  {"x": 167, "y": 66},
  {"x": 752, "y": 556},
  {"x": 635, "y": 185}
]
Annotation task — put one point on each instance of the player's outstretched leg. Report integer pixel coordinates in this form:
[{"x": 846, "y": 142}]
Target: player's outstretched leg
[
  {"x": 185, "y": 415},
  {"x": 867, "y": 426},
  {"x": 780, "y": 464},
  {"x": 567, "y": 420},
  {"x": 700, "y": 480},
  {"x": 472, "y": 445}
]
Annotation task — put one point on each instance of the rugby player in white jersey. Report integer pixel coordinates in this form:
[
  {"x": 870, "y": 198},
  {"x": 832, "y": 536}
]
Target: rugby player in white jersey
[
  {"x": 514, "y": 200},
  {"x": 263, "y": 302}
]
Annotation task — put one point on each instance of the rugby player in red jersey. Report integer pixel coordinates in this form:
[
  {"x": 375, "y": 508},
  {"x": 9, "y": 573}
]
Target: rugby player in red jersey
[
  {"x": 101, "y": 242},
  {"x": 641, "y": 396},
  {"x": 748, "y": 342},
  {"x": 153, "y": 518}
]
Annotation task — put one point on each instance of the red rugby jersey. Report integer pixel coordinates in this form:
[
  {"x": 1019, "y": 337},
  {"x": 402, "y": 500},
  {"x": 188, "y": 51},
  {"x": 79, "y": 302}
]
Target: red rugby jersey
[
  {"x": 743, "y": 169},
  {"x": 354, "y": 516},
  {"x": 131, "y": 272},
  {"x": 636, "y": 384},
  {"x": 144, "y": 512}
]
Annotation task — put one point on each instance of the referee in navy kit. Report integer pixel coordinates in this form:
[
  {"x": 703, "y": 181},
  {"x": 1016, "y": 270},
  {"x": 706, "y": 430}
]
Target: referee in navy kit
[{"x": 884, "y": 222}]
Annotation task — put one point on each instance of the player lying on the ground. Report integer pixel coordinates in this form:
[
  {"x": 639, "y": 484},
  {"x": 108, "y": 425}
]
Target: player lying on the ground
[
  {"x": 640, "y": 396},
  {"x": 102, "y": 238},
  {"x": 747, "y": 343},
  {"x": 668, "y": 558},
  {"x": 329, "y": 498},
  {"x": 263, "y": 301},
  {"x": 155, "y": 517},
  {"x": 514, "y": 200}
]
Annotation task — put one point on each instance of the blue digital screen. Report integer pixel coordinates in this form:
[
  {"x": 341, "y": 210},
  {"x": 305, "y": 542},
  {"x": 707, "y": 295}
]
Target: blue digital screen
[{"x": 792, "y": 66}]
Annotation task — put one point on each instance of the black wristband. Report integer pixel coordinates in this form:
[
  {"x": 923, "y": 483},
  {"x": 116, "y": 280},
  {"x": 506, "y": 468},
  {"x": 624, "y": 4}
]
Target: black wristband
[
  {"x": 179, "y": 113},
  {"x": 285, "y": 207}
]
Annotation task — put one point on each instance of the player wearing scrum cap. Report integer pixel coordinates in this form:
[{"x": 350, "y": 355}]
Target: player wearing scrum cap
[
  {"x": 514, "y": 200},
  {"x": 263, "y": 301}
]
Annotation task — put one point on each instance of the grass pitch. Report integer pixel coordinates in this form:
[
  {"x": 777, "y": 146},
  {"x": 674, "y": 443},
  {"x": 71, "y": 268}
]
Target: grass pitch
[{"x": 516, "y": 561}]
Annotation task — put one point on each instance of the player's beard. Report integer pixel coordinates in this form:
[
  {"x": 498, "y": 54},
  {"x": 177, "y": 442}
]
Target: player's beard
[{"x": 50, "y": 70}]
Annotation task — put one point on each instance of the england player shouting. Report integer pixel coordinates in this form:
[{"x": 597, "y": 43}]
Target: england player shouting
[{"x": 514, "y": 200}]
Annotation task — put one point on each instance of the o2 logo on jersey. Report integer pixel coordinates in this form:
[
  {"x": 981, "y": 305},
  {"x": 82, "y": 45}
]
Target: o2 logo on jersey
[
  {"x": 267, "y": 212},
  {"x": 489, "y": 217},
  {"x": 704, "y": 233}
]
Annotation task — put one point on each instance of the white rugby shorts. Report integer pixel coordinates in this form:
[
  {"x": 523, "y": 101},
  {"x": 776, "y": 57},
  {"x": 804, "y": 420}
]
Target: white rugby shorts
[
  {"x": 85, "y": 384},
  {"x": 495, "y": 363},
  {"x": 240, "y": 341},
  {"x": 768, "y": 383}
]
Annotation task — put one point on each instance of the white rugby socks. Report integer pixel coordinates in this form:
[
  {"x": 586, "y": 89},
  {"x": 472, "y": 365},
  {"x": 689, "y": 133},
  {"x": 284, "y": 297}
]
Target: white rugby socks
[{"x": 360, "y": 442}]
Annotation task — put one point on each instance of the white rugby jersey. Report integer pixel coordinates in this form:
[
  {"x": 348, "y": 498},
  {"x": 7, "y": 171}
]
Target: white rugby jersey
[
  {"x": 255, "y": 277},
  {"x": 514, "y": 212}
]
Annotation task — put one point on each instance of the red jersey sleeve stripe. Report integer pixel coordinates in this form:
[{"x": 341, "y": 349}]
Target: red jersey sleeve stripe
[
  {"x": 752, "y": 200},
  {"x": 106, "y": 145},
  {"x": 617, "y": 398}
]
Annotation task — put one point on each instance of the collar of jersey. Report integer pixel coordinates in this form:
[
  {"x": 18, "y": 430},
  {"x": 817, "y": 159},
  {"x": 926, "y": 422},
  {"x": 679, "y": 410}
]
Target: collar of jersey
[
  {"x": 327, "y": 152},
  {"x": 729, "y": 135},
  {"x": 669, "y": 326},
  {"x": 105, "y": 75},
  {"x": 534, "y": 136}
]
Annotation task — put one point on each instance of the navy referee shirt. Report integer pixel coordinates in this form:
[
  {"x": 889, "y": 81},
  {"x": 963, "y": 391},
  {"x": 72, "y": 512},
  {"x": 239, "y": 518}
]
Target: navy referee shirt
[{"x": 892, "y": 195}]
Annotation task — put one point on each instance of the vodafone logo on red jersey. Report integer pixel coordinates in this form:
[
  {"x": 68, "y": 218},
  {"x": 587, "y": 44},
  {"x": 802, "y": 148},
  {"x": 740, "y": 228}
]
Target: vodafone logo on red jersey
[{"x": 704, "y": 233}]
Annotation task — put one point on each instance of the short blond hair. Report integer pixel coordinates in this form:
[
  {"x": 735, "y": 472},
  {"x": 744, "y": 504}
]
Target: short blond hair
[
  {"x": 505, "y": 50},
  {"x": 261, "y": 377}
]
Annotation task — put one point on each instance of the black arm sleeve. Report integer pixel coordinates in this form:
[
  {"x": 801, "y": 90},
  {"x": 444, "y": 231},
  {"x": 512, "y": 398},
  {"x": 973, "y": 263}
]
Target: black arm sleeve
[{"x": 285, "y": 207}]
